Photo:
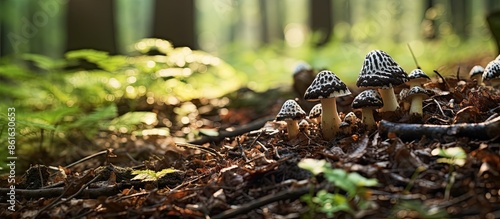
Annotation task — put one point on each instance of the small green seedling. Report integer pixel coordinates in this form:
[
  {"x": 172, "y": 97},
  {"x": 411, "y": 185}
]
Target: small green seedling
[
  {"x": 353, "y": 184},
  {"x": 150, "y": 175},
  {"x": 452, "y": 156}
]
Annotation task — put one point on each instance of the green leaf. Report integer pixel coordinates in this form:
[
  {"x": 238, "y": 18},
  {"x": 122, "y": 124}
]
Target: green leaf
[
  {"x": 453, "y": 155},
  {"x": 361, "y": 181},
  {"x": 313, "y": 165},
  {"x": 44, "y": 62},
  {"x": 150, "y": 175},
  {"x": 87, "y": 54},
  {"x": 331, "y": 203},
  {"x": 129, "y": 120}
]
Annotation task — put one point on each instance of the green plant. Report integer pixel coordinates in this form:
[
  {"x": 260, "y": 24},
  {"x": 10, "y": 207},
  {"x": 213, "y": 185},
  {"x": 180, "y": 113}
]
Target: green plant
[
  {"x": 65, "y": 102},
  {"x": 350, "y": 189},
  {"x": 454, "y": 156}
]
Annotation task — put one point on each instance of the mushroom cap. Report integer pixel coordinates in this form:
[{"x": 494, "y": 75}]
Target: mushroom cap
[
  {"x": 418, "y": 74},
  {"x": 476, "y": 70},
  {"x": 290, "y": 111},
  {"x": 301, "y": 66},
  {"x": 492, "y": 70},
  {"x": 417, "y": 90},
  {"x": 403, "y": 93},
  {"x": 350, "y": 118},
  {"x": 380, "y": 71},
  {"x": 368, "y": 99},
  {"x": 326, "y": 85},
  {"x": 315, "y": 111}
]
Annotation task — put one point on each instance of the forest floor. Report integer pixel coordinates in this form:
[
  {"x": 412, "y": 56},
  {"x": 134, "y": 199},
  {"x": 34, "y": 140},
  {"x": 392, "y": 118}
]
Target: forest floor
[{"x": 246, "y": 167}]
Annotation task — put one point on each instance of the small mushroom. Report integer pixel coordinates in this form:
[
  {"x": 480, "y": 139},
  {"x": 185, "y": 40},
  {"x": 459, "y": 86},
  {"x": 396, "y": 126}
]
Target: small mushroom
[
  {"x": 325, "y": 88},
  {"x": 476, "y": 73},
  {"x": 291, "y": 113},
  {"x": 350, "y": 119},
  {"x": 492, "y": 73},
  {"x": 304, "y": 126},
  {"x": 367, "y": 101},
  {"x": 402, "y": 98},
  {"x": 315, "y": 113},
  {"x": 416, "y": 95},
  {"x": 417, "y": 77},
  {"x": 381, "y": 72}
]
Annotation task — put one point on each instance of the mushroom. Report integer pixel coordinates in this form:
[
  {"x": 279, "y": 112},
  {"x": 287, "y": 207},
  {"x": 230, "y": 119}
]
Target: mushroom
[
  {"x": 350, "y": 120},
  {"x": 476, "y": 73},
  {"x": 367, "y": 101},
  {"x": 416, "y": 95},
  {"x": 492, "y": 73},
  {"x": 402, "y": 98},
  {"x": 380, "y": 71},
  {"x": 291, "y": 113},
  {"x": 417, "y": 77},
  {"x": 325, "y": 88},
  {"x": 315, "y": 113}
]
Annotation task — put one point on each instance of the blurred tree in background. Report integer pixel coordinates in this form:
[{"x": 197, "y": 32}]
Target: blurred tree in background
[{"x": 51, "y": 27}]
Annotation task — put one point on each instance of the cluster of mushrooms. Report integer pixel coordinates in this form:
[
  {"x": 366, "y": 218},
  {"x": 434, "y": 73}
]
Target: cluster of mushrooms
[{"x": 379, "y": 74}]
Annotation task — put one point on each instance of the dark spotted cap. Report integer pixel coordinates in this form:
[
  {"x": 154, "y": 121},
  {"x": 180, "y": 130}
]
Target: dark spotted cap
[
  {"x": 417, "y": 74},
  {"x": 492, "y": 71},
  {"x": 290, "y": 111},
  {"x": 326, "y": 85},
  {"x": 315, "y": 111},
  {"x": 366, "y": 99},
  {"x": 476, "y": 70},
  {"x": 417, "y": 90},
  {"x": 380, "y": 71}
]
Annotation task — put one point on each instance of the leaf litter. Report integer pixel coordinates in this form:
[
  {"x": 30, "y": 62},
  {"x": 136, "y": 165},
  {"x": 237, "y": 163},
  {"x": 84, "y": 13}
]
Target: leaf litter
[{"x": 255, "y": 174}]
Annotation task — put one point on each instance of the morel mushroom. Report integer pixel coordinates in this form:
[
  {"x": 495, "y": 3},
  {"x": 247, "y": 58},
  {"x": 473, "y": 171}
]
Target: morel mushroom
[
  {"x": 367, "y": 101},
  {"x": 416, "y": 95},
  {"x": 476, "y": 73},
  {"x": 325, "y": 88},
  {"x": 492, "y": 73},
  {"x": 291, "y": 113},
  {"x": 380, "y": 71}
]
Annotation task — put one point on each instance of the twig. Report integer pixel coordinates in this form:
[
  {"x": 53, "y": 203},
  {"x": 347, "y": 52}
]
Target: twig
[
  {"x": 439, "y": 107},
  {"x": 199, "y": 147},
  {"x": 480, "y": 131},
  {"x": 413, "y": 55},
  {"x": 61, "y": 201},
  {"x": 448, "y": 87},
  {"x": 257, "y": 124},
  {"x": 283, "y": 195},
  {"x": 86, "y": 158}
]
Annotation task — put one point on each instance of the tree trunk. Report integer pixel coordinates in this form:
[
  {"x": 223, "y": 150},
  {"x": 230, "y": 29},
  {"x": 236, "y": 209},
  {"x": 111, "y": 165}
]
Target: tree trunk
[
  {"x": 174, "y": 21},
  {"x": 90, "y": 25},
  {"x": 321, "y": 19}
]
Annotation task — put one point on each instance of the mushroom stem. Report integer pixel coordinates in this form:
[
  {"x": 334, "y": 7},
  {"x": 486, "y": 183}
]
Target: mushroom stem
[
  {"x": 416, "y": 105},
  {"x": 413, "y": 83},
  {"x": 368, "y": 119},
  {"x": 389, "y": 98},
  {"x": 478, "y": 78},
  {"x": 293, "y": 128},
  {"x": 330, "y": 120}
]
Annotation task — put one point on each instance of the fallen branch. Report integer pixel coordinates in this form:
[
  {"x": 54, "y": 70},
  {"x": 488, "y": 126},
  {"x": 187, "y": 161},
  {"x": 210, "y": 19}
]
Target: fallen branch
[
  {"x": 257, "y": 124},
  {"x": 481, "y": 131}
]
